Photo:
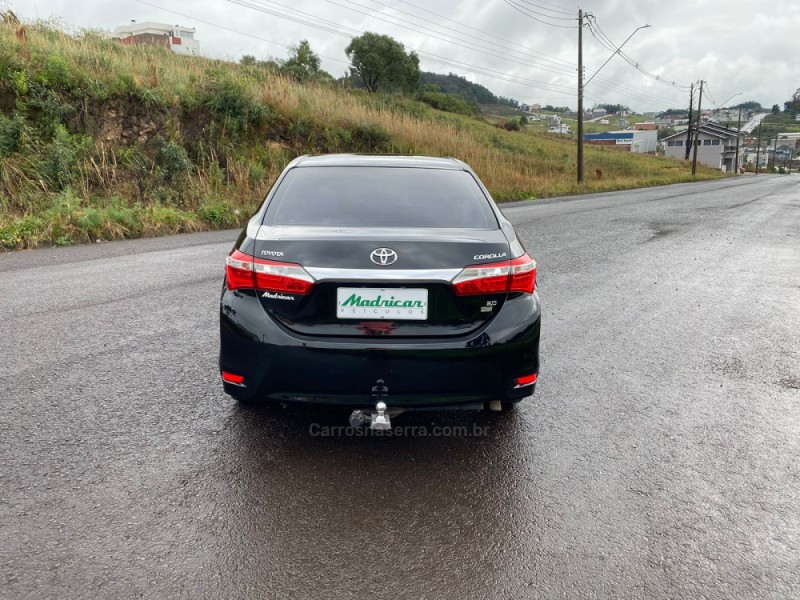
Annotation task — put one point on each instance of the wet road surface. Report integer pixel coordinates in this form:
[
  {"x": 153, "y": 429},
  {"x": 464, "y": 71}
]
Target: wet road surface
[{"x": 658, "y": 458}]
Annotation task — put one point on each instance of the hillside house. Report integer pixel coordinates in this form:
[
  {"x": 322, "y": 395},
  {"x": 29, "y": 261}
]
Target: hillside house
[
  {"x": 716, "y": 146},
  {"x": 562, "y": 129},
  {"x": 179, "y": 39}
]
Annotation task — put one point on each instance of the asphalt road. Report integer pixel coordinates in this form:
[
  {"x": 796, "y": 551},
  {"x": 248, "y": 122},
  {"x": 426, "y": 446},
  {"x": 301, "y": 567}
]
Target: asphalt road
[{"x": 659, "y": 457}]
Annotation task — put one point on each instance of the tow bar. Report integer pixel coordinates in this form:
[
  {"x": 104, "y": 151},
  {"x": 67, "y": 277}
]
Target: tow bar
[
  {"x": 377, "y": 419},
  {"x": 380, "y": 417}
]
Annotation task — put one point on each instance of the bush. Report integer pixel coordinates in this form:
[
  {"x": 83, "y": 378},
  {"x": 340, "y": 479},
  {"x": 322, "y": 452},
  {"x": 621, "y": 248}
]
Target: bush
[
  {"x": 10, "y": 133},
  {"x": 235, "y": 108},
  {"x": 171, "y": 159},
  {"x": 60, "y": 160},
  {"x": 369, "y": 136},
  {"x": 56, "y": 73},
  {"x": 447, "y": 102},
  {"x": 219, "y": 215},
  {"x": 21, "y": 233}
]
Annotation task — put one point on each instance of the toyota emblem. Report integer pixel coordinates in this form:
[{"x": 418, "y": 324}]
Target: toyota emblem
[{"x": 383, "y": 256}]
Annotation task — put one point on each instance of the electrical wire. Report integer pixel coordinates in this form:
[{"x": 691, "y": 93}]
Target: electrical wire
[
  {"x": 528, "y": 14},
  {"x": 331, "y": 28},
  {"x": 571, "y": 17},
  {"x": 642, "y": 97},
  {"x": 707, "y": 92},
  {"x": 604, "y": 40},
  {"x": 495, "y": 74},
  {"x": 537, "y": 52},
  {"x": 529, "y": 58},
  {"x": 432, "y": 33}
]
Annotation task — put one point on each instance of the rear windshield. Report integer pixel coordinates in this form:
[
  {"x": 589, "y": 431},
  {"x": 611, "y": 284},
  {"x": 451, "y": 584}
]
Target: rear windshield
[{"x": 380, "y": 197}]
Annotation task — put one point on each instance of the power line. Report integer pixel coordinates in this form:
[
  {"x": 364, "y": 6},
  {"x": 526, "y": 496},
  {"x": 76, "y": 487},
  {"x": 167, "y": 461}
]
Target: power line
[
  {"x": 642, "y": 97},
  {"x": 552, "y": 4},
  {"x": 708, "y": 93},
  {"x": 548, "y": 65},
  {"x": 332, "y": 28},
  {"x": 528, "y": 14},
  {"x": 560, "y": 11},
  {"x": 604, "y": 40},
  {"x": 600, "y": 36},
  {"x": 432, "y": 33},
  {"x": 609, "y": 84},
  {"x": 551, "y": 56},
  {"x": 441, "y": 59}
]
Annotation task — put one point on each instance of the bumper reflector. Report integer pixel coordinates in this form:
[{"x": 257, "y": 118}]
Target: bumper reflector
[
  {"x": 232, "y": 378},
  {"x": 527, "y": 380}
]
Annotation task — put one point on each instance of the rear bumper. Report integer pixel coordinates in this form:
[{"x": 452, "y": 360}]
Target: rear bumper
[{"x": 282, "y": 366}]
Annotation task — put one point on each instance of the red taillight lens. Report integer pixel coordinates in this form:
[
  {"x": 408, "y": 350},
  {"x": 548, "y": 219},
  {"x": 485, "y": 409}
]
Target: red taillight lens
[
  {"x": 517, "y": 275},
  {"x": 239, "y": 271},
  {"x": 523, "y": 275},
  {"x": 528, "y": 379},
  {"x": 232, "y": 377},
  {"x": 246, "y": 272}
]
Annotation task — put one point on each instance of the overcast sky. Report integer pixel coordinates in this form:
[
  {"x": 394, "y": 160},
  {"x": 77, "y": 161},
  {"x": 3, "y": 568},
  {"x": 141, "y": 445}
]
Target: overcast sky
[{"x": 528, "y": 53}]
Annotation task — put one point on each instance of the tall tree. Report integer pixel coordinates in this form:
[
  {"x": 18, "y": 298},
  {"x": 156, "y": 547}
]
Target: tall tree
[
  {"x": 793, "y": 105},
  {"x": 303, "y": 63},
  {"x": 381, "y": 62}
]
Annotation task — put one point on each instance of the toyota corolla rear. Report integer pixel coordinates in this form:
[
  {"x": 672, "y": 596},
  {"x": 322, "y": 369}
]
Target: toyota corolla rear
[{"x": 368, "y": 277}]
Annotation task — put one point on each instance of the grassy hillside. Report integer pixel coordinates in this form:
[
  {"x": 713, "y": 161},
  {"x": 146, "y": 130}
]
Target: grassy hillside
[{"x": 103, "y": 141}]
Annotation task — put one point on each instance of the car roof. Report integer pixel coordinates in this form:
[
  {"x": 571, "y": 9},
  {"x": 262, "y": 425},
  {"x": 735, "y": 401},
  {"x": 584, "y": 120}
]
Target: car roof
[{"x": 379, "y": 160}]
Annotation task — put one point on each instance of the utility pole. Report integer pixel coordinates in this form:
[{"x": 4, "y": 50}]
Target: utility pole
[
  {"x": 689, "y": 128},
  {"x": 738, "y": 133},
  {"x": 697, "y": 131},
  {"x": 758, "y": 149},
  {"x": 580, "y": 97}
]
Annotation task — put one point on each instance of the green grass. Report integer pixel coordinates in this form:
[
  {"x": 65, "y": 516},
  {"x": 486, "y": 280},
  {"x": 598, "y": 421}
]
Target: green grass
[{"x": 104, "y": 141}]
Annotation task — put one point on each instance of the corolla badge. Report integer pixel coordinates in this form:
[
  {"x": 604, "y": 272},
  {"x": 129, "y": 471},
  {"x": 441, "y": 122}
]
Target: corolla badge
[{"x": 383, "y": 256}]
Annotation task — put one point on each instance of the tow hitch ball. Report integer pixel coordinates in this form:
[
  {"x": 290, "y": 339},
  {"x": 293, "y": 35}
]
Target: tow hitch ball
[{"x": 377, "y": 420}]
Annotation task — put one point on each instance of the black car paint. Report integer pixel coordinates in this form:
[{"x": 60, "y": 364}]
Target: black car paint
[{"x": 470, "y": 357}]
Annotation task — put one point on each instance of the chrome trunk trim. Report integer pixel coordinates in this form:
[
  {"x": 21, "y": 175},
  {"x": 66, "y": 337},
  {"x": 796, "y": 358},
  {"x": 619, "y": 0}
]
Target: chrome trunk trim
[{"x": 336, "y": 274}]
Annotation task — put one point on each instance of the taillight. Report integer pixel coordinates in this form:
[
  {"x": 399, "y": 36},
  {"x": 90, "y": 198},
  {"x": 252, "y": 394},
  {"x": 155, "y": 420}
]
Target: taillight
[
  {"x": 517, "y": 275},
  {"x": 483, "y": 279},
  {"x": 523, "y": 275},
  {"x": 246, "y": 272}
]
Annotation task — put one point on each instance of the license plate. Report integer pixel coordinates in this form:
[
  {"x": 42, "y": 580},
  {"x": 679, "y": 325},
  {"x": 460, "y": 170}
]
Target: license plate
[{"x": 375, "y": 303}]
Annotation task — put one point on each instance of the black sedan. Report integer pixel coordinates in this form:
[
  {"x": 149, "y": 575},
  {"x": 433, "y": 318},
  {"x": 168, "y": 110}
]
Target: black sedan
[{"x": 367, "y": 279}]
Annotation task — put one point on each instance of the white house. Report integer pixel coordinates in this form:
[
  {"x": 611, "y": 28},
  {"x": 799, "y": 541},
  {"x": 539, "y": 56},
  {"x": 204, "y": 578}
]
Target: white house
[
  {"x": 716, "y": 146},
  {"x": 563, "y": 129},
  {"x": 175, "y": 37}
]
